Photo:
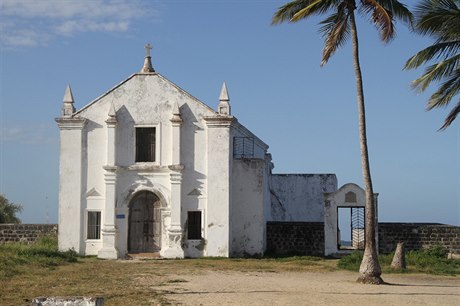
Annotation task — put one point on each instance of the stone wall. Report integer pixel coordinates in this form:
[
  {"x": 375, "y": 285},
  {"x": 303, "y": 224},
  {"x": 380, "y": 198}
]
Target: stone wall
[
  {"x": 307, "y": 238},
  {"x": 27, "y": 233},
  {"x": 418, "y": 235},
  {"x": 295, "y": 238}
]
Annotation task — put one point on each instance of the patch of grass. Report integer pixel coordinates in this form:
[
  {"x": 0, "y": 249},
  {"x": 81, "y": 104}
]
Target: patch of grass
[
  {"x": 15, "y": 258},
  {"x": 351, "y": 262},
  {"x": 431, "y": 261}
]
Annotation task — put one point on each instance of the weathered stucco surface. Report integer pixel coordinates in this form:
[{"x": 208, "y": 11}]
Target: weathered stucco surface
[
  {"x": 247, "y": 218},
  {"x": 192, "y": 171},
  {"x": 198, "y": 168},
  {"x": 299, "y": 197}
]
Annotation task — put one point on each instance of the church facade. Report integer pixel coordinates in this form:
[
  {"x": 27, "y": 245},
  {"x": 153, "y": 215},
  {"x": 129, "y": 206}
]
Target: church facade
[{"x": 146, "y": 167}]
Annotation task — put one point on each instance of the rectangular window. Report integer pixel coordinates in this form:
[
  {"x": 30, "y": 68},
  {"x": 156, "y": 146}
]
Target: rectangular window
[
  {"x": 145, "y": 144},
  {"x": 194, "y": 225},
  {"x": 94, "y": 225}
]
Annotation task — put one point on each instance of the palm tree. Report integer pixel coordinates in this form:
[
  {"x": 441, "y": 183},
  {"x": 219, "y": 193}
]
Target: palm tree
[
  {"x": 439, "y": 19},
  {"x": 339, "y": 25}
]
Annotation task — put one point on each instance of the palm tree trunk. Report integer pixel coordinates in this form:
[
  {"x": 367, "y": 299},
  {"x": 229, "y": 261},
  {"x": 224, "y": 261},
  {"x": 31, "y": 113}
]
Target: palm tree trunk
[{"x": 370, "y": 268}]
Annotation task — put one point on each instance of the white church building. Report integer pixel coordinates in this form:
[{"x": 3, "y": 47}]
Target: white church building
[{"x": 148, "y": 168}]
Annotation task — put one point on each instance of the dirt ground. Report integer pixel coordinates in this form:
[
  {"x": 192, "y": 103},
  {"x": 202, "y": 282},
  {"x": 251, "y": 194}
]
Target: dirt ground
[{"x": 309, "y": 288}]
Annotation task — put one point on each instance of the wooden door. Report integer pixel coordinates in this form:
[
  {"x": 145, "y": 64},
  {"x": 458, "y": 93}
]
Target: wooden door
[{"x": 144, "y": 224}]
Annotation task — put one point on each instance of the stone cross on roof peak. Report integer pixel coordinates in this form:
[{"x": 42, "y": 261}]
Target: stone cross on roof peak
[
  {"x": 148, "y": 47},
  {"x": 147, "y": 68}
]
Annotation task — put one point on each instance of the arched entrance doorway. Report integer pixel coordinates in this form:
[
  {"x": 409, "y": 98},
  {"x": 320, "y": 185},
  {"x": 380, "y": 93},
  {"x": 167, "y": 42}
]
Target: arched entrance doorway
[{"x": 144, "y": 232}]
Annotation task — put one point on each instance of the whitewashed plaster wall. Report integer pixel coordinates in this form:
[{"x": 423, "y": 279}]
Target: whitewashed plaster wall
[
  {"x": 142, "y": 100},
  {"x": 349, "y": 195},
  {"x": 299, "y": 197},
  {"x": 207, "y": 178},
  {"x": 247, "y": 222}
]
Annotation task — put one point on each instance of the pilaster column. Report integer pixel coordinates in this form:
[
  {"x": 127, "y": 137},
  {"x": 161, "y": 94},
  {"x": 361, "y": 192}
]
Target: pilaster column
[
  {"x": 71, "y": 212},
  {"x": 176, "y": 123},
  {"x": 109, "y": 250},
  {"x": 218, "y": 185},
  {"x": 175, "y": 232}
]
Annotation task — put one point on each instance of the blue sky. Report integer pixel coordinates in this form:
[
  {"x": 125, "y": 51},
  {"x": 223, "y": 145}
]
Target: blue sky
[{"x": 307, "y": 114}]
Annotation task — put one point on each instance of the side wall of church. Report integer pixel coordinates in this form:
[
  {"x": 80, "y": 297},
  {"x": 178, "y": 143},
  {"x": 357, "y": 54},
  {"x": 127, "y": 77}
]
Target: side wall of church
[
  {"x": 249, "y": 196},
  {"x": 247, "y": 235}
]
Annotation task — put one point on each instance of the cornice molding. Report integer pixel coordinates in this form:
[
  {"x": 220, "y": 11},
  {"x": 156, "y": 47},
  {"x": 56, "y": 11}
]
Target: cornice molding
[
  {"x": 219, "y": 121},
  {"x": 71, "y": 123}
]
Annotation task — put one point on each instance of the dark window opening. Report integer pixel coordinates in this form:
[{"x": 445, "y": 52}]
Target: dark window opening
[
  {"x": 94, "y": 225},
  {"x": 145, "y": 144},
  {"x": 194, "y": 225}
]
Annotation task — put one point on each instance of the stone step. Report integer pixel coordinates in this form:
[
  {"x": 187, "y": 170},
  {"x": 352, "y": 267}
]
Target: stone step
[{"x": 144, "y": 256}]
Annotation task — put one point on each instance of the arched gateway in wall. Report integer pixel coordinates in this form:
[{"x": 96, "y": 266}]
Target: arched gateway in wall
[
  {"x": 349, "y": 196},
  {"x": 144, "y": 227}
]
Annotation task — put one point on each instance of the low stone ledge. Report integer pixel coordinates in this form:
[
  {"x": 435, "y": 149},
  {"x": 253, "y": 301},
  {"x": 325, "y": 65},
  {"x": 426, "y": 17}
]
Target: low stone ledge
[{"x": 68, "y": 301}]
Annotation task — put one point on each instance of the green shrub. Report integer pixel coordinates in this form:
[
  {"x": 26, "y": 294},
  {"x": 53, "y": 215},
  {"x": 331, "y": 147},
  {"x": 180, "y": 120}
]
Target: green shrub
[
  {"x": 437, "y": 251},
  {"x": 352, "y": 261},
  {"x": 432, "y": 260}
]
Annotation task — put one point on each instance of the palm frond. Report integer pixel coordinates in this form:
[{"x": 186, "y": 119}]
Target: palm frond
[
  {"x": 285, "y": 12},
  {"x": 451, "y": 116},
  {"x": 436, "y": 51},
  {"x": 301, "y": 9},
  {"x": 381, "y": 17},
  {"x": 398, "y": 10},
  {"x": 449, "y": 89},
  {"x": 383, "y": 13},
  {"x": 316, "y": 7},
  {"x": 437, "y": 72},
  {"x": 438, "y": 18},
  {"x": 336, "y": 30}
]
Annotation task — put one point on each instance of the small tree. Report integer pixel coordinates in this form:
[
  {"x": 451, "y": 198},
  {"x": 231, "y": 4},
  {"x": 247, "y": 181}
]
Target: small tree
[{"x": 9, "y": 210}]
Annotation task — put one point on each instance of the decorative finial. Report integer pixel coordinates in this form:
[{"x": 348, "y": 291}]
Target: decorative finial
[
  {"x": 223, "y": 93},
  {"x": 67, "y": 108},
  {"x": 112, "y": 112},
  {"x": 224, "y": 105},
  {"x": 68, "y": 97},
  {"x": 148, "y": 60},
  {"x": 176, "y": 116},
  {"x": 112, "y": 115}
]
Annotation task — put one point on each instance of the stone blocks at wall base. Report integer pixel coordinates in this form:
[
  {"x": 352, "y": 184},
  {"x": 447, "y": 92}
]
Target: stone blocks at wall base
[
  {"x": 25, "y": 233},
  {"x": 418, "y": 236},
  {"x": 295, "y": 238}
]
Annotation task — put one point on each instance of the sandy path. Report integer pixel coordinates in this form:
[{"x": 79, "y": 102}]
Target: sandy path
[{"x": 306, "y": 288}]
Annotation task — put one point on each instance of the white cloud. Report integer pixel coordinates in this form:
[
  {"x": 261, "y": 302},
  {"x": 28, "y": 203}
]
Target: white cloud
[
  {"x": 70, "y": 27},
  {"x": 36, "y": 22},
  {"x": 28, "y": 133}
]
